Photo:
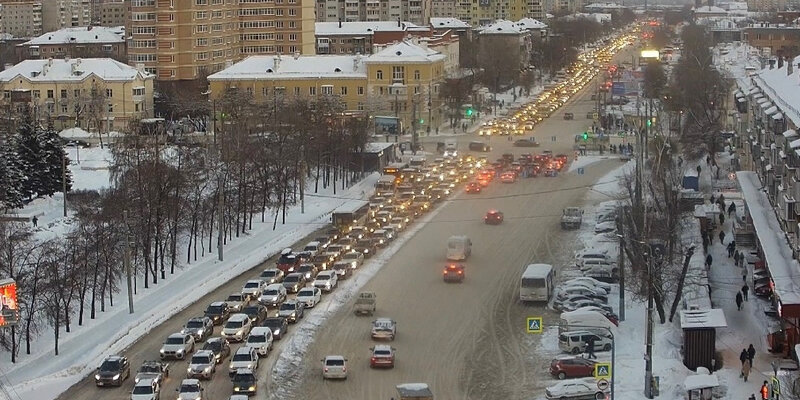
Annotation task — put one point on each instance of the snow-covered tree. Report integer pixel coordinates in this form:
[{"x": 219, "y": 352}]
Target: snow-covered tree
[
  {"x": 53, "y": 156},
  {"x": 40, "y": 152},
  {"x": 11, "y": 177}
]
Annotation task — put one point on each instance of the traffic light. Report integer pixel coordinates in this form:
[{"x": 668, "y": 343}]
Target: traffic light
[
  {"x": 421, "y": 121},
  {"x": 649, "y": 122},
  {"x": 585, "y": 136},
  {"x": 469, "y": 112}
]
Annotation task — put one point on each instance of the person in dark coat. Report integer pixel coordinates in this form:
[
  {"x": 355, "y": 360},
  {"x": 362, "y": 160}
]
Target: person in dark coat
[
  {"x": 745, "y": 291},
  {"x": 731, "y": 248},
  {"x": 739, "y": 301},
  {"x": 721, "y": 235},
  {"x": 736, "y": 258},
  {"x": 712, "y": 199},
  {"x": 705, "y": 242},
  {"x": 751, "y": 353},
  {"x": 698, "y": 167},
  {"x": 731, "y": 209},
  {"x": 721, "y": 219},
  {"x": 743, "y": 356},
  {"x": 709, "y": 259},
  {"x": 590, "y": 348}
]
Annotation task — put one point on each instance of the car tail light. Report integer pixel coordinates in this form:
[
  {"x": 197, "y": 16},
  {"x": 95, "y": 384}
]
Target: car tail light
[
  {"x": 460, "y": 272},
  {"x": 373, "y": 359}
]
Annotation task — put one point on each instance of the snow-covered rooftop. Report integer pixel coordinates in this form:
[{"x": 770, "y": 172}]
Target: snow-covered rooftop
[
  {"x": 82, "y": 34},
  {"x": 376, "y": 147},
  {"x": 283, "y": 67},
  {"x": 503, "y": 27},
  {"x": 605, "y": 6},
  {"x": 414, "y": 389},
  {"x": 405, "y": 52},
  {"x": 448, "y": 22},
  {"x": 785, "y": 271},
  {"x": 783, "y": 89},
  {"x": 700, "y": 381},
  {"x": 713, "y": 318},
  {"x": 76, "y": 69},
  {"x": 531, "y": 23},
  {"x": 363, "y": 27},
  {"x": 709, "y": 10}
]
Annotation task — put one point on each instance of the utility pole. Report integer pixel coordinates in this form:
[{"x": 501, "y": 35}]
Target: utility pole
[
  {"x": 656, "y": 251},
  {"x": 430, "y": 109},
  {"x": 127, "y": 261},
  {"x": 220, "y": 205},
  {"x": 303, "y": 180},
  {"x": 414, "y": 123},
  {"x": 64, "y": 179},
  {"x": 621, "y": 261}
]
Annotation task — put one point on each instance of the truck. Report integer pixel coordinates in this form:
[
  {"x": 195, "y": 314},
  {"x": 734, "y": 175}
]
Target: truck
[
  {"x": 414, "y": 391},
  {"x": 571, "y": 218},
  {"x": 365, "y": 303}
]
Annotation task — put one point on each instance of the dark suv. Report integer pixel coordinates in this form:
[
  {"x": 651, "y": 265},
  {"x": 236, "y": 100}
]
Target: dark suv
[
  {"x": 218, "y": 312},
  {"x": 112, "y": 371}
]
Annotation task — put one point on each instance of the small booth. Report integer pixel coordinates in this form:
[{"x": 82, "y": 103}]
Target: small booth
[
  {"x": 700, "y": 386},
  {"x": 699, "y": 336}
]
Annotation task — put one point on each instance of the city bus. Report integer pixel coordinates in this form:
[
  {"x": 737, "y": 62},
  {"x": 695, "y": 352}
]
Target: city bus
[
  {"x": 352, "y": 213},
  {"x": 395, "y": 169},
  {"x": 537, "y": 283},
  {"x": 386, "y": 184}
]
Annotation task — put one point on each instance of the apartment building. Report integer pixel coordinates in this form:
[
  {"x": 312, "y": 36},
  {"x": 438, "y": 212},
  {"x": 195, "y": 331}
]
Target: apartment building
[
  {"x": 414, "y": 11},
  {"x": 109, "y": 12},
  {"x": 57, "y": 14},
  {"x": 484, "y": 12},
  {"x": 95, "y": 93},
  {"x": 402, "y": 80},
  {"x": 186, "y": 39},
  {"x": 360, "y": 37},
  {"x": 773, "y": 39},
  {"x": 82, "y": 42},
  {"x": 21, "y": 18},
  {"x": 444, "y": 8}
]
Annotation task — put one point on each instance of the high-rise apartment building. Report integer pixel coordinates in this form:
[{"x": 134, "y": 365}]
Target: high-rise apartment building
[
  {"x": 185, "y": 39},
  {"x": 57, "y": 14},
  {"x": 21, "y": 18},
  {"x": 484, "y": 12},
  {"x": 109, "y": 12},
  {"x": 444, "y": 8},
  {"x": 414, "y": 11}
]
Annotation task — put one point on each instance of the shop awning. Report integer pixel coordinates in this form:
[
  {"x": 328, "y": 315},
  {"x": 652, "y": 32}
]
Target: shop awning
[
  {"x": 771, "y": 110},
  {"x": 777, "y": 116}
]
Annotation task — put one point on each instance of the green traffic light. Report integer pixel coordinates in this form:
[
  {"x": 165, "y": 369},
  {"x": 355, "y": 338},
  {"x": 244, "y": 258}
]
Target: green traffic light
[
  {"x": 585, "y": 136},
  {"x": 469, "y": 112},
  {"x": 421, "y": 121},
  {"x": 649, "y": 122}
]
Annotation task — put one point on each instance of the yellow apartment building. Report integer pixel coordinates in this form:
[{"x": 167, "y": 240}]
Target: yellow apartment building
[
  {"x": 94, "y": 93},
  {"x": 392, "y": 82}
]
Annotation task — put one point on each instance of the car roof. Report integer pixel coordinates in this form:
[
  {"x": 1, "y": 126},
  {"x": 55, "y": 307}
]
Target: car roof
[
  {"x": 325, "y": 273},
  {"x": 294, "y": 274},
  {"x": 215, "y": 339},
  {"x": 260, "y": 330},
  {"x": 238, "y": 316},
  {"x": 190, "y": 382},
  {"x": 384, "y": 319},
  {"x": 384, "y": 347},
  {"x": 313, "y": 243},
  {"x": 206, "y": 353},
  {"x": 307, "y": 288},
  {"x": 244, "y": 350},
  {"x": 145, "y": 382},
  {"x": 115, "y": 358},
  {"x": 274, "y": 286},
  {"x": 177, "y": 335},
  {"x": 334, "y": 357},
  {"x": 244, "y": 371}
]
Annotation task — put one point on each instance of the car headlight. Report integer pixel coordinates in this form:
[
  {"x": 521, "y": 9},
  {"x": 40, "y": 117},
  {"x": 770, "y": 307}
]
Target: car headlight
[
  {"x": 161, "y": 351},
  {"x": 199, "y": 331},
  {"x": 240, "y": 332},
  {"x": 252, "y": 388},
  {"x": 180, "y": 351},
  {"x": 366, "y": 251},
  {"x": 97, "y": 377},
  {"x": 353, "y": 264},
  {"x": 277, "y": 331},
  {"x": 208, "y": 369},
  {"x": 115, "y": 377},
  {"x": 189, "y": 370}
]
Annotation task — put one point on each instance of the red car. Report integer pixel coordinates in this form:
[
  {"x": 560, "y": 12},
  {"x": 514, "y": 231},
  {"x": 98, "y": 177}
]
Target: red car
[
  {"x": 572, "y": 367},
  {"x": 382, "y": 356},
  {"x": 473, "y": 187},
  {"x": 493, "y": 217},
  {"x": 454, "y": 273}
]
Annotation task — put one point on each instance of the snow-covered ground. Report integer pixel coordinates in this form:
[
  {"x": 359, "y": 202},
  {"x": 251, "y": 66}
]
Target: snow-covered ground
[{"x": 42, "y": 375}]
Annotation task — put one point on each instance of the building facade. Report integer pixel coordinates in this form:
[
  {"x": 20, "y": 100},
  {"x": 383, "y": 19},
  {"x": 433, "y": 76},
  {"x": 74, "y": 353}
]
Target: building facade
[
  {"x": 21, "y": 18},
  {"x": 57, "y": 14},
  {"x": 773, "y": 39},
  {"x": 186, "y": 39},
  {"x": 83, "y": 42},
  {"x": 109, "y": 12},
  {"x": 414, "y": 11},
  {"x": 444, "y": 8},
  {"x": 402, "y": 80},
  {"x": 484, "y": 12},
  {"x": 360, "y": 37},
  {"x": 95, "y": 94}
]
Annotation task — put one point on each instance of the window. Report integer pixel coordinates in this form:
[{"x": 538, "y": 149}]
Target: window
[
  {"x": 76, "y": 93},
  {"x": 398, "y": 73},
  {"x": 201, "y": 28},
  {"x": 379, "y": 75},
  {"x": 292, "y": 12},
  {"x": 63, "y": 108},
  {"x": 327, "y": 89},
  {"x": 297, "y": 91},
  {"x": 136, "y": 107},
  {"x": 416, "y": 74},
  {"x": 109, "y": 93},
  {"x": 202, "y": 41},
  {"x": 312, "y": 91},
  {"x": 50, "y": 93},
  {"x": 344, "y": 90},
  {"x": 360, "y": 90},
  {"x": 138, "y": 91},
  {"x": 7, "y": 94},
  {"x": 201, "y": 56},
  {"x": 63, "y": 93},
  {"x": 201, "y": 2},
  {"x": 249, "y": 91},
  {"x": 37, "y": 94},
  {"x": 265, "y": 91},
  {"x": 201, "y": 15},
  {"x": 292, "y": 37},
  {"x": 110, "y": 108}
]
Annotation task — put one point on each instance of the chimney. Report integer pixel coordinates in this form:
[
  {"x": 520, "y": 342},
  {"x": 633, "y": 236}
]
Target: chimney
[
  {"x": 356, "y": 61},
  {"x": 340, "y": 23},
  {"x": 276, "y": 62},
  {"x": 789, "y": 67},
  {"x": 296, "y": 55}
]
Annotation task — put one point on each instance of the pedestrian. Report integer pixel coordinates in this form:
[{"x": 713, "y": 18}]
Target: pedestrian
[
  {"x": 764, "y": 391},
  {"x": 35, "y": 221},
  {"x": 590, "y": 348},
  {"x": 736, "y": 258},
  {"x": 721, "y": 236},
  {"x": 739, "y": 301},
  {"x": 709, "y": 259},
  {"x": 743, "y": 356},
  {"x": 745, "y": 291},
  {"x": 698, "y": 168},
  {"x": 710, "y": 237},
  {"x": 712, "y": 198},
  {"x": 722, "y": 200},
  {"x": 731, "y": 209},
  {"x": 746, "y": 369},
  {"x": 731, "y": 248},
  {"x": 708, "y": 160},
  {"x": 721, "y": 219},
  {"x": 705, "y": 242},
  {"x": 751, "y": 353}
]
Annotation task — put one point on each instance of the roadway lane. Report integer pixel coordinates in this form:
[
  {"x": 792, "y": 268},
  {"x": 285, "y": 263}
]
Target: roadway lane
[{"x": 465, "y": 340}]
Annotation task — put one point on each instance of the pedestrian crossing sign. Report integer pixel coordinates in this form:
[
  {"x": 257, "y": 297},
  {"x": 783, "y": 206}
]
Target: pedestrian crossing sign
[
  {"x": 602, "y": 370},
  {"x": 533, "y": 325}
]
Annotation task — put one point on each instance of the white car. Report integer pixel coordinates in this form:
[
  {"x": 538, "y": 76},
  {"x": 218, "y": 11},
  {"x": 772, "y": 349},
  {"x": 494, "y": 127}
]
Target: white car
[
  {"x": 260, "y": 338},
  {"x": 237, "y": 328},
  {"x": 190, "y": 389},
  {"x": 334, "y": 367},
  {"x": 575, "y": 388},
  {"x": 146, "y": 389},
  {"x": 326, "y": 280},
  {"x": 591, "y": 282},
  {"x": 271, "y": 275},
  {"x": 273, "y": 295},
  {"x": 605, "y": 227},
  {"x": 384, "y": 328},
  {"x": 355, "y": 258},
  {"x": 244, "y": 358},
  {"x": 202, "y": 365},
  {"x": 237, "y": 301},
  {"x": 309, "y": 296},
  {"x": 253, "y": 288},
  {"x": 177, "y": 345},
  {"x": 565, "y": 292}
]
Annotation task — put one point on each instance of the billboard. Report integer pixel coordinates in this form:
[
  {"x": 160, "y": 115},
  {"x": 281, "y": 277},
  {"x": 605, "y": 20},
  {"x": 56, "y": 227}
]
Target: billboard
[
  {"x": 650, "y": 54},
  {"x": 618, "y": 89},
  {"x": 9, "y": 308},
  {"x": 388, "y": 126}
]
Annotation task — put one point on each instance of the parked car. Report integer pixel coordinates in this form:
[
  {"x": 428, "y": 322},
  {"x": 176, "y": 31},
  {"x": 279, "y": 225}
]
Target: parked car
[
  {"x": 278, "y": 325},
  {"x": 112, "y": 371},
  {"x": 572, "y": 367},
  {"x": 177, "y": 345},
  {"x": 575, "y": 389},
  {"x": 574, "y": 342},
  {"x": 219, "y": 346},
  {"x": 200, "y": 327}
]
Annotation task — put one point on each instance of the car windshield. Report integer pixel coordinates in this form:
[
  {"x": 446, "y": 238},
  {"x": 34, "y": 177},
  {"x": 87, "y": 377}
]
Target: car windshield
[
  {"x": 109, "y": 365},
  {"x": 310, "y": 248},
  {"x": 287, "y": 307},
  {"x": 321, "y": 257},
  {"x": 194, "y": 324},
  {"x": 143, "y": 389},
  {"x": 150, "y": 368},
  {"x": 214, "y": 310},
  {"x": 273, "y": 323},
  {"x": 383, "y": 353},
  {"x": 271, "y": 292},
  {"x": 287, "y": 259},
  {"x": 257, "y": 339},
  {"x": 305, "y": 292},
  {"x": 233, "y": 324},
  {"x": 201, "y": 360},
  {"x": 214, "y": 346},
  {"x": 174, "y": 340},
  {"x": 251, "y": 285},
  {"x": 235, "y": 297},
  {"x": 292, "y": 279},
  {"x": 324, "y": 276},
  {"x": 269, "y": 274},
  {"x": 242, "y": 357},
  {"x": 335, "y": 362},
  {"x": 251, "y": 310},
  {"x": 190, "y": 388},
  {"x": 306, "y": 268},
  {"x": 350, "y": 256},
  {"x": 243, "y": 378},
  {"x": 335, "y": 248}
]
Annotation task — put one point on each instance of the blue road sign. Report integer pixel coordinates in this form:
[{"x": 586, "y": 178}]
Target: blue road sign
[
  {"x": 580, "y": 171},
  {"x": 602, "y": 370},
  {"x": 618, "y": 88},
  {"x": 533, "y": 325}
]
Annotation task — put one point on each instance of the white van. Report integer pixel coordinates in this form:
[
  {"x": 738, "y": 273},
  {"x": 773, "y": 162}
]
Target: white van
[
  {"x": 583, "y": 320},
  {"x": 537, "y": 283},
  {"x": 450, "y": 148},
  {"x": 574, "y": 342},
  {"x": 458, "y": 248}
]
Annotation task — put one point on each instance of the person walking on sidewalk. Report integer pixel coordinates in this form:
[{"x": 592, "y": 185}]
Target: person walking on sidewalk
[
  {"x": 746, "y": 369},
  {"x": 751, "y": 353},
  {"x": 721, "y": 234},
  {"x": 736, "y": 258},
  {"x": 731, "y": 209},
  {"x": 731, "y": 248},
  {"x": 765, "y": 391},
  {"x": 745, "y": 290},
  {"x": 739, "y": 301},
  {"x": 743, "y": 356},
  {"x": 590, "y": 348},
  {"x": 709, "y": 259},
  {"x": 721, "y": 218}
]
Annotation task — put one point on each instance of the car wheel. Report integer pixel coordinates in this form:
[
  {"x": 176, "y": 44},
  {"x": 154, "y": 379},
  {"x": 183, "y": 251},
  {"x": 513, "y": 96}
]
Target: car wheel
[
  {"x": 607, "y": 347},
  {"x": 576, "y": 351},
  {"x": 562, "y": 375}
]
